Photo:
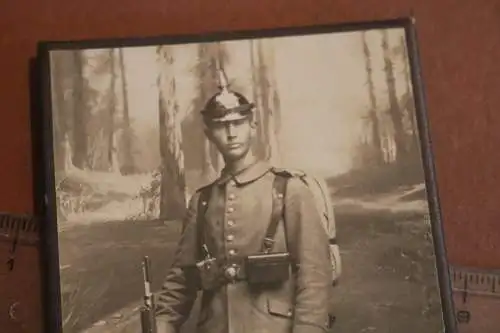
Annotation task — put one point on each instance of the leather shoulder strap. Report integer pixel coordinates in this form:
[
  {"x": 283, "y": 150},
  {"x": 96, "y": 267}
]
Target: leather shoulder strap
[
  {"x": 203, "y": 201},
  {"x": 279, "y": 192}
]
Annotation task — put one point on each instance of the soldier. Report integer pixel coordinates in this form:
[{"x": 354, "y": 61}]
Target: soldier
[{"x": 258, "y": 271}]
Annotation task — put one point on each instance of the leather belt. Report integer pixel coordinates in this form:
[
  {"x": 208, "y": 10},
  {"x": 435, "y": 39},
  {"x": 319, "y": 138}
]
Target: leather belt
[
  {"x": 233, "y": 273},
  {"x": 229, "y": 270},
  {"x": 233, "y": 270}
]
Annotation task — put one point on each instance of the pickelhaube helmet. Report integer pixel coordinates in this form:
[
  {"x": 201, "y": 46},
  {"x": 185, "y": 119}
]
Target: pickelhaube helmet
[{"x": 226, "y": 105}]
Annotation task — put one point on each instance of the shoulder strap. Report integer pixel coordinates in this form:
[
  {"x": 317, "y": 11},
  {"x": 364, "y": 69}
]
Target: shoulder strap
[
  {"x": 203, "y": 200},
  {"x": 279, "y": 191}
]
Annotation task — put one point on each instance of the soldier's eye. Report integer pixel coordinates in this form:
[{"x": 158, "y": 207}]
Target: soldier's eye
[{"x": 218, "y": 126}]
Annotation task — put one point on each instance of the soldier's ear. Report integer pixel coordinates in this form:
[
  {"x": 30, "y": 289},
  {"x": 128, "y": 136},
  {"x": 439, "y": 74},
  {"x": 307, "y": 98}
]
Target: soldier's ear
[
  {"x": 253, "y": 121},
  {"x": 253, "y": 129},
  {"x": 208, "y": 133}
]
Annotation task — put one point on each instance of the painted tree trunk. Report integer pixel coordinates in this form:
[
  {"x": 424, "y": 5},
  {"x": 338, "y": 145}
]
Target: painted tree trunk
[
  {"x": 372, "y": 115},
  {"x": 394, "y": 109},
  {"x": 126, "y": 137},
  {"x": 173, "y": 183},
  {"x": 80, "y": 113}
]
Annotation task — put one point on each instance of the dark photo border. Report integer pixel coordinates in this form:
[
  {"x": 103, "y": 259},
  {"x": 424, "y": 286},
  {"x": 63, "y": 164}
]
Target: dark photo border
[{"x": 50, "y": 254}]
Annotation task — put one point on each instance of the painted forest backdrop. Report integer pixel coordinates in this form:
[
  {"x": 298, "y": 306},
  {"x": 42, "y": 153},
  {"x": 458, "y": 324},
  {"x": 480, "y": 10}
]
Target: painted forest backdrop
[{"x": 127, "y": 136}]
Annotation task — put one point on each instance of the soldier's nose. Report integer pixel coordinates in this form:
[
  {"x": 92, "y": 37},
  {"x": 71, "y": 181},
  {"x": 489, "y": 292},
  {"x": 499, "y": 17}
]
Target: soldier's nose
[{"x": 231, "y": 132}]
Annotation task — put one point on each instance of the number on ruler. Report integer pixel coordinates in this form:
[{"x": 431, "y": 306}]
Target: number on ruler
[
  {"x": 463, "y": 316},
  {"x": 10, "y": 261}
]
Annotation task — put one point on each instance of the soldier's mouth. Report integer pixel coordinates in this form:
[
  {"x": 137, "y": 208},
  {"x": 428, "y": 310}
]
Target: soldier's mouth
[{"x": 234, "y": 145}]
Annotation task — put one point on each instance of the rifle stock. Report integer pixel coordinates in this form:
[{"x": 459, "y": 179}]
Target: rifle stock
[{"x": 148, "y": 318}]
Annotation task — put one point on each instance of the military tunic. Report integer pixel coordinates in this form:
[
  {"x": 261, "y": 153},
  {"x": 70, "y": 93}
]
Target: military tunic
[{"x": 236, "y": 220}]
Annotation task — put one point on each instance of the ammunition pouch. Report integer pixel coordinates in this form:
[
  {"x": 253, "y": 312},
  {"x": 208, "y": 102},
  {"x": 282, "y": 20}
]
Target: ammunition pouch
[{"x": 268, "y": 268}]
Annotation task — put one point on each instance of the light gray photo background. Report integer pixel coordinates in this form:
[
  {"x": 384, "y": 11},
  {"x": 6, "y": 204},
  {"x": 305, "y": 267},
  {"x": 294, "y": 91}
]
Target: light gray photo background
[{"x": 129, "y": 151}]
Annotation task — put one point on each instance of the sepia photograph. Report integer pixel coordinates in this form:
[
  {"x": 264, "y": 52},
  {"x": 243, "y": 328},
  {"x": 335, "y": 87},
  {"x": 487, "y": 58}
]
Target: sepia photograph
[{"x": 235, "y": 185}]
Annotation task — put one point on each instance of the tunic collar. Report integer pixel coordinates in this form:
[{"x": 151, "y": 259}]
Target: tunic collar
[{"x": 247, "y": 175}]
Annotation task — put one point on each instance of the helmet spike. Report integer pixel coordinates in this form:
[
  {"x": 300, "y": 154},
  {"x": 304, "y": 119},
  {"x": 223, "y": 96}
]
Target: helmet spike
[
  {"x": 226, "y": 104},
  {"x": 223, "y": 82}
]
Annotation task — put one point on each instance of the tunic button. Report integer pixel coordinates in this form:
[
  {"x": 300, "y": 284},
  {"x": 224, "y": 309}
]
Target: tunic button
[
  {"x": 230, "y": 210},
  {"x": 232, "y": 252},
  {"x": 230, "y": 237},
  {"x": 231, "y": 196},
  {"x": 230, "y": 223}
]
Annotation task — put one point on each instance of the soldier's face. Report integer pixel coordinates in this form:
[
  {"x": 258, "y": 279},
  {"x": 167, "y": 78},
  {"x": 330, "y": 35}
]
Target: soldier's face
[{"x": 233, "y": 138}]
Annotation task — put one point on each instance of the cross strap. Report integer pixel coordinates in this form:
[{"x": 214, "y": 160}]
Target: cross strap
[
  {"x": 278, "y": 202},
  {"x": 279, "y": 191},
  {"x": 203, "y": 201}
]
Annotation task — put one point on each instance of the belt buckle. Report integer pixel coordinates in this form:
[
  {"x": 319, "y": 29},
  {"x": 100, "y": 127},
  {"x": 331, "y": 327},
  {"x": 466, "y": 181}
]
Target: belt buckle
[{"x": 231, "y": 272}]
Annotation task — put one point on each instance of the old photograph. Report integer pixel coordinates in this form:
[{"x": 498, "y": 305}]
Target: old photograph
[{"x": 272, "y": 184}]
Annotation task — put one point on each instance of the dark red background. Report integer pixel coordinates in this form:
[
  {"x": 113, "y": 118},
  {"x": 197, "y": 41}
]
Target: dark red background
[{"x": 459, "y": 43}]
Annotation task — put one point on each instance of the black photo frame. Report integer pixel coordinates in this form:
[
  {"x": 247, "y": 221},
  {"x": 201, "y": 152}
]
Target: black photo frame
[{"x": 59, "y": 302}]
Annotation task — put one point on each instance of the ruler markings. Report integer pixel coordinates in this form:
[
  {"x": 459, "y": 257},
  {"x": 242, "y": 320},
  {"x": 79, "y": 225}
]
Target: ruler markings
[{"x": 476, "y": 295}]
